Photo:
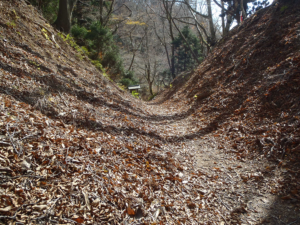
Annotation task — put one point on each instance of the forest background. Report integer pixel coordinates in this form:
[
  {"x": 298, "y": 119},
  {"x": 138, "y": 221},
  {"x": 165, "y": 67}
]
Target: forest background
[{"x": 146, "y": 42}]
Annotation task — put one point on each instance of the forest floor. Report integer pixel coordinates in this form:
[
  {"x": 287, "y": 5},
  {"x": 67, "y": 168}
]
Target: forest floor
[{"x": 222, "y": 147}]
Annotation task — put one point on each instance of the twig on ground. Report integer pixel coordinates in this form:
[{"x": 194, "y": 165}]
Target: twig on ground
[
  {"x": 11, "y": 139},
  {"x": 293, "y": 222},
  {"x": 28, "y": 136},
  {"x": 15, "y": 215},
  {"x": 46, "y": 215},
  {"x": 62, "y": 99},
  {"x": 227, "y": 207}
]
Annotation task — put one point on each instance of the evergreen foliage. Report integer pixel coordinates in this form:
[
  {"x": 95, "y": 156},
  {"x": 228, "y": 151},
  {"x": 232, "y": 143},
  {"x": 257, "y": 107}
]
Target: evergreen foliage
[
  {"x": 79, "y": 32},
  {"x": 101, "y": 37},
  {"x": 49, "y": 8},
  {"x": 128, "y": 79},
  {"x": 98, "y": 40},
  {"x": 183, "y": 57}
]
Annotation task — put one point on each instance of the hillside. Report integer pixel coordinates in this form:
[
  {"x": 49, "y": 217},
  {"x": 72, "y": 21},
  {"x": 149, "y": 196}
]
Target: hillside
[
  {"x": 246, "y": 97},
  {"x": 250, "y": 84},
  {"x": 247, "y": 90},
  {"x": 221, "y": 147}
]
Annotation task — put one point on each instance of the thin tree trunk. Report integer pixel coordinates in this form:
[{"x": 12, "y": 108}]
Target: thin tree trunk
[
  {"x": 150, "y": 88},
  {"x": 163, "y": 42},
  {"x": 243, "y": 10},
  {"x": 223, "y": 20},
  {"x": 101, "y": 11},
  {"x": 229, "y": 19},
  {"x": 169, "y": 18},
  {"x": 173, "y": 61},
  {"x": 211, "y": 23},
  {"x": 237, "y": 16},
  {"x": 109, "y": 12}
]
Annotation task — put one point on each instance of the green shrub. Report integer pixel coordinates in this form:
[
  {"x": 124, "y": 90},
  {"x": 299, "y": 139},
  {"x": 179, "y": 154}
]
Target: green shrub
[
  {"x": 135, "y": 94},
  {"x": 98, "y": 65},
  {"x": 85, "y": 50},
  {"x": 48, "y": 7},
  {"x": 79, "y": 32},
  {"x": 128, "y": 79},
  {"x": 126, "y": 82},
  {"x": 100, "y": 36}
]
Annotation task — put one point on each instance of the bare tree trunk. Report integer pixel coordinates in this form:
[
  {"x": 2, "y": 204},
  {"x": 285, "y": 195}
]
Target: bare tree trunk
[
  {"x": 135, "y": 49},
  {"x": 101, "y": 11},
  {"x": 243, "y": 10},
  {"x": 132, "y": 60},
  {"x": 64, "y": 16},
  {"x": 150, "y": 88},
  {"x": 163, "y": 42},
  {"x": 148, "y": 76},
  {"x": 168, "y": 10},
  {"x": 237, "y": 15},
  {"x": 229, "y": 19},
  {"x": 109, "y": 12},
  {"x": 211, "y": 23},
  {"x": 223, "y": 20}
]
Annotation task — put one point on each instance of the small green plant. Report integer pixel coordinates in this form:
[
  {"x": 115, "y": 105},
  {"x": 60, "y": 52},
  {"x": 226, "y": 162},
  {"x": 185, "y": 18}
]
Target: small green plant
[
  {"x": 122, "y": 87},
  {"x": 171, "y": 85},
  {"x": 14, "y": 14},
  {"x": 135, "y": 94},
  {"x": 283, "y": 8},
  {"x": 85, "y": 50},
  {"x": 11, "y": 24},
  {"x": 98, "y": 65},
  {"x": 34, "y": 63},
  {"x": 45, "y": 33},
  {"x": 71, "y": 41}
]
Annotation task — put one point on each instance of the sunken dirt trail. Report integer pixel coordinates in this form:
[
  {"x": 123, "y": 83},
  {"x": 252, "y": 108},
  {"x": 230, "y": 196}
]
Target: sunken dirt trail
[{"x": 220, "y": 147}]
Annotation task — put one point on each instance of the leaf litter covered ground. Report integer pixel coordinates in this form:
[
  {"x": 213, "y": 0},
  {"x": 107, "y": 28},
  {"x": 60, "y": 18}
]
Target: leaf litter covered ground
[{"x": 219, "y": 148}]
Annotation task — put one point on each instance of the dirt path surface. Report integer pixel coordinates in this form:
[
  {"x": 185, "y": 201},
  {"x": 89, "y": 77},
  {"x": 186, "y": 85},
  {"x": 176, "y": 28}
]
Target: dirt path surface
[{"x": 243, "y": 189}]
